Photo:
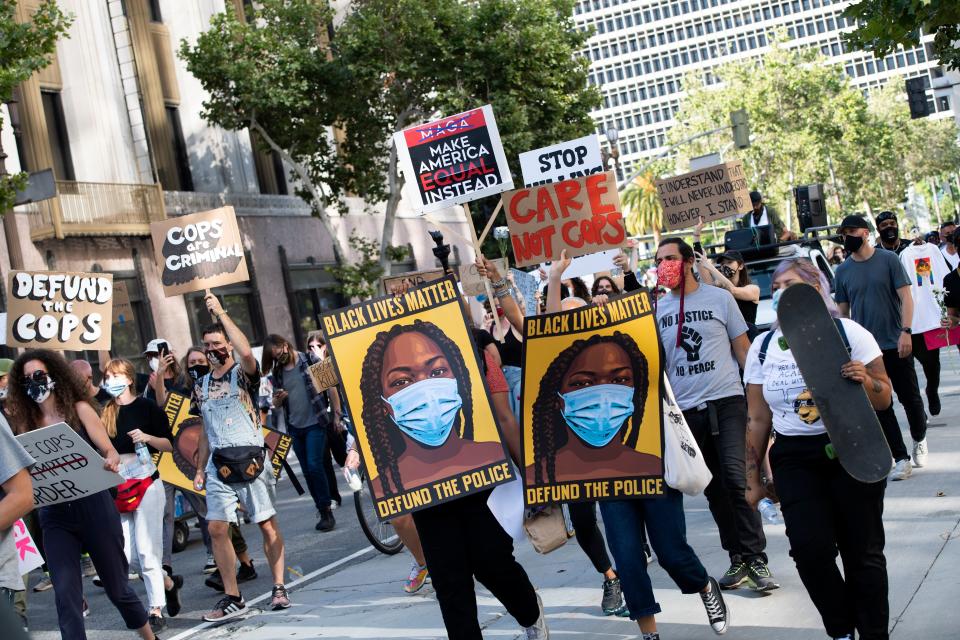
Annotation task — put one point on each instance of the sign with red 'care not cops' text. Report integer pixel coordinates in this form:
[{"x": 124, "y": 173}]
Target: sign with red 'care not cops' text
[
  {"x": 582, "y": 215},
  {"x": 453, "y": 160}
]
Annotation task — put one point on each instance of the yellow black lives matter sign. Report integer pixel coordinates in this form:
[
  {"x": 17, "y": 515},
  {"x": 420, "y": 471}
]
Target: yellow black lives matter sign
[
  {"x": 415, "y": 390},
  {"x": 592, "y": 418}
]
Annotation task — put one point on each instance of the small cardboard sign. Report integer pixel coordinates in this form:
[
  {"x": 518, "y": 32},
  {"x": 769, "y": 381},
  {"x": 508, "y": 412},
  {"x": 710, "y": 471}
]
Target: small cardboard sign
[
  {"x": 28, "y": 556},
  {"x": 582, "y": 215},
  {"x": 559, "y": 162},
  {"x": 470, "y": 280},
  {"x": 324, "y": 375},
  {"x": 67, "y": 468},
  {"x": 199, "y": 251},
  {"x": 528, "y": 285},
  {"x": 58, "y": 310},
  {"x": 453, "y": 160},
  {"x": 592, "y": 263},
  {"x": 715, "y": 192},
  {"x": 412, "y": 278},
  {"x": 122, "y": 309}
]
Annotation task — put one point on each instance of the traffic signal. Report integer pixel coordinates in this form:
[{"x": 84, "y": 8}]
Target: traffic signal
[
  {"x": 741, "y": 128},
  {"x": 917, "y": 98}
]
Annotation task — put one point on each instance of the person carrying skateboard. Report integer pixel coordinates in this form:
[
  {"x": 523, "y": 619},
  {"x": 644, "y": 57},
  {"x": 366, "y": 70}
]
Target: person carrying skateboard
[
  {"x": 825, "y": 509},
  {"x": 704, "y": 338},
  {"x": 872, "y": 289}
]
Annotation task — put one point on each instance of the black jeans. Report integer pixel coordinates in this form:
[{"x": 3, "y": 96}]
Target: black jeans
[
  {"x": 827, "y": 511},
  {"x": 583, "y": 515},
  {"x": 903, "y": 377},
  {"x": 310, "y": 447},
  {"x": 723, "y": 442},
  {"x": 93, "y": 524},
  {"x": 462, "y": 540},
  {"x": 929, "y": 359}
]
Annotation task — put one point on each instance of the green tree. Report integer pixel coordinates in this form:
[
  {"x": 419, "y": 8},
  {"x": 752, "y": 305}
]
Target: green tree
[
  {"x": 25, "y": 48},
  {"x": 883, "y": 25}
]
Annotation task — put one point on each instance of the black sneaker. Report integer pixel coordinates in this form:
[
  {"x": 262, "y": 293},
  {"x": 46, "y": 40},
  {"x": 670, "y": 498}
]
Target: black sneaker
[
  {"x": 735, "y": 576},
  {"x": 933, "y": 403},
  {"x": 157, "y": 623},
  {"x": 173, "y": 596},
  {"x": 612, "y": 603},
  {"x": 215, "y": 582},
  {"x": 760, "y": 577},
  {"x": 246, "y": 572},
  {"x": 327, "y": 521},
  {"x": 227, "y": 607},
  {"x": 716, "y": 608}
]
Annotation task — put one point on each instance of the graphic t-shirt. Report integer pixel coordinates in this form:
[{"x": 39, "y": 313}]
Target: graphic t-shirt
[
  {"x": 13, "y": 457},
  {"x": 870, "y": 288},
  {"x": 248, "y": 388},
  {"x": 926, "y": 269},
  {"x": 794, "y": 413},
  {"x": 703, "y": 367}
]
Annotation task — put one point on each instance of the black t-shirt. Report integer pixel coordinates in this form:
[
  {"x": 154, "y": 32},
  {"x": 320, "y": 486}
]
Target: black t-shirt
[
  {"x": 951, "y": 282},
  {"x": 511, "y": 350},
  {"x": 749, "y": 310},
  {"x": 140, "y": 414},
  {"x": 103, "y": 397}
]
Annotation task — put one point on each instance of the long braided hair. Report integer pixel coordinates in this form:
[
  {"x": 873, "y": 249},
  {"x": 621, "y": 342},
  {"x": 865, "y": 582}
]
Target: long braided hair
[
  {"x": 386, "y": 444},
  {"x": 550, "y": 431}
]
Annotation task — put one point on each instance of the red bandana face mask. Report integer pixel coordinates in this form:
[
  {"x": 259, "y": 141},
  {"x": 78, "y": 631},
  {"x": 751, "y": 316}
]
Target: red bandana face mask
[{"x": 670, "y": 273}]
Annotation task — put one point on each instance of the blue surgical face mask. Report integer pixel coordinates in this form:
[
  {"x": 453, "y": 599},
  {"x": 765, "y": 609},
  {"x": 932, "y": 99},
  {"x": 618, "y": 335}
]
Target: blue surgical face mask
[
  {"x": 116, "y": 386},
  {"x": 775, "y": 299},
  {"x": 426, "y": 410},
  {"x": 596, "y": 413}
]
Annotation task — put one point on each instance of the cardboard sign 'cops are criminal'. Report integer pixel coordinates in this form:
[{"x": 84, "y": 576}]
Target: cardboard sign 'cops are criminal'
[
  {"x": 199, "y": 251},
  {"x": 56, "y": 310},
  {"x": 453, "y": 160}
]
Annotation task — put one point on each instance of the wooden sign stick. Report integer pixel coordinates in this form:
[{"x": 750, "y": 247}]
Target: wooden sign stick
[
  {"x": 486, "y": 281},
  {"x": 493, "y": 218}
]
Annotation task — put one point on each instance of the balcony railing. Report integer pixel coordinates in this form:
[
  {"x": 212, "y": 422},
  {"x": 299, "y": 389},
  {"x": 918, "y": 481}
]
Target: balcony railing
[
  {"x": 96, "y": 209},
  {"x": 180, "y": 203}
]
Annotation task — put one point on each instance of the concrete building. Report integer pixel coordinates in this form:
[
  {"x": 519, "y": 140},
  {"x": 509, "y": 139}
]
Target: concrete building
[
  {"x": 641, "y": 50},
  {"x": 117, "y": 117}
]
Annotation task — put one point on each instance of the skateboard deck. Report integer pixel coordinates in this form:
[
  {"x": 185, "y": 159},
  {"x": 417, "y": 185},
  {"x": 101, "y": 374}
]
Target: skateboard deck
[{"x": 819, "y": 350}]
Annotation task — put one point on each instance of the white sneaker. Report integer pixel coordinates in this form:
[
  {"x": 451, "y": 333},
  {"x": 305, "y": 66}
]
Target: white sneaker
[
  {"x": 901, "y": 470},
  {"x": 920, "y": 453},
  {"x": 539, "y": 630}
]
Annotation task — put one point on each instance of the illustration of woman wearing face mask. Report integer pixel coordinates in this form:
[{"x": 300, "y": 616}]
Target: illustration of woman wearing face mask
[
  {"x": 418, "y": 409},
  {"x": 588, "y": 413}
]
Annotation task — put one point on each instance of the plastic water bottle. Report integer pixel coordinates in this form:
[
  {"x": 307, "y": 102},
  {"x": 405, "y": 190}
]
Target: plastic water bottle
[
  {"x": 353, "y": 479},
  {"x": 143, "y": 454},
  {"x": 769, "y": 511}
]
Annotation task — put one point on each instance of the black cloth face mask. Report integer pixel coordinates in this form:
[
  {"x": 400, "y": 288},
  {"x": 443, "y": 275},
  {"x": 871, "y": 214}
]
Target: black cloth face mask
[{"x": 852, "y": 244}]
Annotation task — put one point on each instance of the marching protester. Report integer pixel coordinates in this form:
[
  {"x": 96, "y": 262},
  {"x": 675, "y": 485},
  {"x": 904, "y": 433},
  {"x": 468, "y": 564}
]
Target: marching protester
[
  {"x": 306, "y": 416},
  {"x": 704, "y": 339},
  {"x": 336, "y": 426},
  {"x": 231, "y": 444},
  {"x": 44, "y": 391},
  {"x": 873, "y": 290},
  {"x": 888, "y": 233},
  {"x": 132, "y": 422},
  {"x": 628, "y": 522},
  {"x": 5, "y": 364},
  {"x": 96, "y": 396},
  {"x": 825, "y": 509}
]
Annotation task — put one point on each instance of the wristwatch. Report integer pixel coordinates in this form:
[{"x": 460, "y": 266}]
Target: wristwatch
[{"x": 907, "y": 330}]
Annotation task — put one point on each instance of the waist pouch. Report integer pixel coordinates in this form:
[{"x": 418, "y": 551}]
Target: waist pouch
[
  {"x": 130, "y": 494},
  {"x": 238, "y": 464}
]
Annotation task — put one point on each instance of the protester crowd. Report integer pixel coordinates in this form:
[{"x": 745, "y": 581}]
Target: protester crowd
[{"x": 758, "y": 442}]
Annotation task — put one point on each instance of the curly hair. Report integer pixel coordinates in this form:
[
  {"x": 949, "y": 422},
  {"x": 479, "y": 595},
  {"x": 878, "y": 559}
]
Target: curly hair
[
  {"x": 596, "y": 284},
  {"x": 386, "y": 445},
  {"x": 550, "y": 429},
  {"x": 68, "y": 390}
]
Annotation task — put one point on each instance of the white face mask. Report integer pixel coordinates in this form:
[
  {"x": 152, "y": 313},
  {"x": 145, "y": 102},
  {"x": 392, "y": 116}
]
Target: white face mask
[
  {"x": 3, "y": 393},
  {"x": 154, "y": 363}
]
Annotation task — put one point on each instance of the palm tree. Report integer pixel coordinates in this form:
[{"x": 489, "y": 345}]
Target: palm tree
[{"x": 643, "y": 208}]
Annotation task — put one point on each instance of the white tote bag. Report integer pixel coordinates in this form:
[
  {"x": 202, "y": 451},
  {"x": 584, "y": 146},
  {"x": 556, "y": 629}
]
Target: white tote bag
[{"x": 684, "y": 468}]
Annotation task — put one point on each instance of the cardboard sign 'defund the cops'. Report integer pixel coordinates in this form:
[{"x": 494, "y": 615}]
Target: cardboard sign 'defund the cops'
[
  {"x": 453, "y": 160},
  {"x": 57, "y": 310},
  {"x": 199, "y": 251},
  {"x": 425, "y": 424}
]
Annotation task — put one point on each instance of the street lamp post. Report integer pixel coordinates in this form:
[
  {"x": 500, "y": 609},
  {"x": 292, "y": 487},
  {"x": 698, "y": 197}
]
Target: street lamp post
[{"x": 612, "y": 151}]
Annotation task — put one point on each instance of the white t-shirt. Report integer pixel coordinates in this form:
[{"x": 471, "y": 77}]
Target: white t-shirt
[
  {"x": 794, "y": 413},
  {"x": 925, "y": 269},
  {"x": 952, "y": 260},
  {"x": 763, "y": 218}
]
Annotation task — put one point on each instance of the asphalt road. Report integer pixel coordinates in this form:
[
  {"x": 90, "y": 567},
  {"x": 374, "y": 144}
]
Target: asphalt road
[{"x": 306, "y": 551}]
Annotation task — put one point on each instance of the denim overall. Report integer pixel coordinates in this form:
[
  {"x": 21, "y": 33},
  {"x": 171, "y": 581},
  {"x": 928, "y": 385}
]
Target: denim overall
[{"x": 227, "y": 422}]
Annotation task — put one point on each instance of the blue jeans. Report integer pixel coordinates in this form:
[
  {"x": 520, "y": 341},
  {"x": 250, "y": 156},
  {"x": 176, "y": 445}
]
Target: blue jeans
[
  {"x": 309, "y": 445},
  {"x": 666, "y": 526}
]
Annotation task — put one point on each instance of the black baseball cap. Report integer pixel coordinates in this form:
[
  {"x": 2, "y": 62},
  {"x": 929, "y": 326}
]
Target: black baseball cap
[
  {"x": 731, "y": 256},
  {"x": 886, "y": 215},
  {"x": 853, "y": 222},
  {"x": 755, "y": 197}
]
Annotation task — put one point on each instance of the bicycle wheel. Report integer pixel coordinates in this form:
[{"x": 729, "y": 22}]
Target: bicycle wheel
[{"x": 380, "y": 534}]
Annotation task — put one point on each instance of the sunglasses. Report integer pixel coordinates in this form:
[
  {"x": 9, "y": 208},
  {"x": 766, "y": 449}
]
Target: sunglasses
[{"x": 39, "y": 376}]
